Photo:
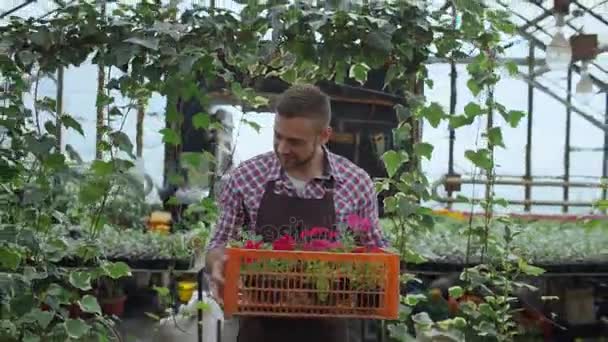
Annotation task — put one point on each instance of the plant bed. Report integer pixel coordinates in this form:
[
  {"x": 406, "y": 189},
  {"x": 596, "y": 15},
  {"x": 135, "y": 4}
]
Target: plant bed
[{"x": 183, "y": 264}]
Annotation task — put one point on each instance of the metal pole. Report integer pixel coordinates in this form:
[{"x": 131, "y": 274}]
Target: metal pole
[
  {"x": 528, "y": 176},
  {"x": 605, "y": 161},
  {"x": 453, "y": 101},
  {"x": 567, "y": 143},
  {"x": 59, "y": 104}
]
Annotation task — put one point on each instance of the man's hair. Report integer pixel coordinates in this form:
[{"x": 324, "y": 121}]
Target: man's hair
[{"x": 305, "y": 101}]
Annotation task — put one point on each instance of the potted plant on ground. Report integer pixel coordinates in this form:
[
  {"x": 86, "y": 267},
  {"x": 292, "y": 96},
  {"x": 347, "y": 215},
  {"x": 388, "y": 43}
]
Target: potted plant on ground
[{"x": 111, "y": 296}]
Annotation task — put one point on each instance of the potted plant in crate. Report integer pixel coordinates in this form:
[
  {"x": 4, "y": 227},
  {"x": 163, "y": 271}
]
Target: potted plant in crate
[{"x": 329, "y": 272}]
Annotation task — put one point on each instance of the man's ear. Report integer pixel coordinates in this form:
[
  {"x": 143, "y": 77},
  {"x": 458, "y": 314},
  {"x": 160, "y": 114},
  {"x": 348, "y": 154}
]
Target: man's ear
[{"x": 326, "y": 134}]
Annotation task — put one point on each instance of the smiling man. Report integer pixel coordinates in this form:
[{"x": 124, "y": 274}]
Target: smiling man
[{"x": 300, "y": 185}]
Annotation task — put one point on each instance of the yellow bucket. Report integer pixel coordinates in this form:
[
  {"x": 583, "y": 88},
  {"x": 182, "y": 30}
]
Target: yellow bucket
[{"x": 185, "y": 290}]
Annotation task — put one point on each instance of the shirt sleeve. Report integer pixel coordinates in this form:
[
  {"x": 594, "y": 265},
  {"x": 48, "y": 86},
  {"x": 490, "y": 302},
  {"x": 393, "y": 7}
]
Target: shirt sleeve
[
  {"x": 369, "y": 209},
  {"x": 232, "y": 213}
]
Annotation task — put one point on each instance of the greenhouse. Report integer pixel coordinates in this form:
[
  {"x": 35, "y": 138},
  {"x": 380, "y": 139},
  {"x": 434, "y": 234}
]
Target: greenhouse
[{"x": 341, "y": 170}]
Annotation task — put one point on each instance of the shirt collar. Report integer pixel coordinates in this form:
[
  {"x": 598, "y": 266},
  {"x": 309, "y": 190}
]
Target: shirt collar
[{"x": 276, "y": 171}]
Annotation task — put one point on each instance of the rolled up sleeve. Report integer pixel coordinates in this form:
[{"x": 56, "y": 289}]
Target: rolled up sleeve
[
  {"x": 369, "y": 209},
  {"x": 231, "y": 214}
]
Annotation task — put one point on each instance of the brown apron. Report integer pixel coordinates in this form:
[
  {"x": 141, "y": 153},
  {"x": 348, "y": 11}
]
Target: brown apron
[{"x": 279, "y": 215}]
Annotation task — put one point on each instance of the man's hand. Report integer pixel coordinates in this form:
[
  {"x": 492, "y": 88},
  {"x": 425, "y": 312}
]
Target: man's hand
[{"x": 215, "y": 264}]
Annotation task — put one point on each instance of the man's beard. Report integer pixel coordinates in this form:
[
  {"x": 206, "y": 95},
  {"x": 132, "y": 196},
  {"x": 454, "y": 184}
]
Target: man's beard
[{"x": 295, "y": 163}]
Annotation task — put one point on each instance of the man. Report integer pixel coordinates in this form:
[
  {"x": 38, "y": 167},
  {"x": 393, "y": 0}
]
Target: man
[{"x": 300, "y": 182}]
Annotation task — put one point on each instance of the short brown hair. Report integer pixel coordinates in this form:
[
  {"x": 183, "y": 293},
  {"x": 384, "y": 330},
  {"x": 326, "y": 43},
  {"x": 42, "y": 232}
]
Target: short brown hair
[{"x": 305, "y": 101}]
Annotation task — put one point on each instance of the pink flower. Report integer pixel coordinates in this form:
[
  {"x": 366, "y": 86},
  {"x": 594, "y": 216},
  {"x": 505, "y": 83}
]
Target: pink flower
[
  {"x": 358, "y": 224},
  {"x": 284, "y": 243}
]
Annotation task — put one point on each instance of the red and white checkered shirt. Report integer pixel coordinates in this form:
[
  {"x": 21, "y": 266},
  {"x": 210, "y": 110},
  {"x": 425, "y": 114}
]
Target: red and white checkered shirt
[{"x": 241, "y": 194}]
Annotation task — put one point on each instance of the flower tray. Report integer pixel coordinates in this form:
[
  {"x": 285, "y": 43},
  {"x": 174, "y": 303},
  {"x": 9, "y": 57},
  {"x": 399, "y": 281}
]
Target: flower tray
[{"x": 311, "y": 284}]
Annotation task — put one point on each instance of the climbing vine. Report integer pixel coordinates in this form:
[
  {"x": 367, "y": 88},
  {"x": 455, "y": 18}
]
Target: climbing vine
[{"x": 149, "y": 49}]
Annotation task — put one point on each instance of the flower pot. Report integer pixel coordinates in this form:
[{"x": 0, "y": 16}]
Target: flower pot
[
  {"x": 185, "y": 290},
  {"x": 113, "y": 306}
]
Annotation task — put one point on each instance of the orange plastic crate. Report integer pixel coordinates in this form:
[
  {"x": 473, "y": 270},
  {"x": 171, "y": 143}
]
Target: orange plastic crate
[{"x": 311, "y": 284}]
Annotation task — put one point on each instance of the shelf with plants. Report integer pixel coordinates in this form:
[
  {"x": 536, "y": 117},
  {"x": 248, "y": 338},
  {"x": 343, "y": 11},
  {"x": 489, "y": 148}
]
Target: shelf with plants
[
  {"x": 138, "y": 248},
  {"x": 324, "y": 273},
  {"x": 579, "y": 246}
]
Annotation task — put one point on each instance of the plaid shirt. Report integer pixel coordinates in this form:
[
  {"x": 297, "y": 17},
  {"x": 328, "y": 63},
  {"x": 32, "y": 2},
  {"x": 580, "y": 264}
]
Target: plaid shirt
[{"x": 354, "y": 193}]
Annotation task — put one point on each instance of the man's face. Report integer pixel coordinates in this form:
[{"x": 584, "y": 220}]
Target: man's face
[{"x": 296, "y": 140}]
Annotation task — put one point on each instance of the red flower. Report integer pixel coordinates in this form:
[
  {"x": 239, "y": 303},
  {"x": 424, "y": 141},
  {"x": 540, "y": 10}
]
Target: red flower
[
  {"x": 321, "y": 245},
  {"x": 250, "y": 244},
  {"x": 284, "y": 243}
]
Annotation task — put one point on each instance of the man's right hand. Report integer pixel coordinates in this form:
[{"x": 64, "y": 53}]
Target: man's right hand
[{"x": 215, "y": 261}]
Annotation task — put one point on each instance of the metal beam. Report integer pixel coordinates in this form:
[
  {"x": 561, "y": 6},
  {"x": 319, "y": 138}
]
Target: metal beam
[
  {"x": 599, "y": 83},
  {"x": 469, "y": 60},
  {"x": 549, "y": 92}
]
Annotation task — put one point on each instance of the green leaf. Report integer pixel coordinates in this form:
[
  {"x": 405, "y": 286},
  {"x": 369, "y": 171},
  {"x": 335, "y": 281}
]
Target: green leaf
[
  {"x": 414, "y": 299},
  {"x": 55, "y": 161},
  {"x": 455, "y": 292},
  {"x": 252, "y": 124},
  {"x": 89, "y": 304},
  {"x": 422, "y": 318},
  {"x": 529, "y": 269},
  {"x": 76, "y": 328},
  {"x": 495, "y": 137},
  {"x": 194, "y": 159},
  {"x": 512, "y": 68},
  {"x": 72, "y": 153},
  {"x": 403, "y": 113},
  {"x": 102, "y": 168},
  {"x": 43, "y": 318},
  {"x": 473, "y": 87},
  {"x": 116, "y": 270},
  {"x": 170, "y": 136},
  {"x": 601, "y": 205},
  {"x": 472, "y": 109},
  {"x": 201, "y": 121},
  {"x": 9, "y": 258},
  {"x": 433, "y": 113},
  {"x": 70, "y": 122},
  {"x": 458, "y": 121},
  {"x": 392, "y": 161},
  {"x": 81, "y": 280},
  {"x": 424, "y": 150},
  {"x": 480, "y": 158},
  {"x": 122, "y": 141},
  {"x": 513, "y": 117},
  {"x": 359, "y": 72}
]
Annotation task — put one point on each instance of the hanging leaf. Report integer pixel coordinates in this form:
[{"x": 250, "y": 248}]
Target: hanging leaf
[
  {"x": 170, "y": 136},
  {"x": 122, "y": 141},
  {"x": 495, "y": 137},
  {"x": 424, "y": 150},
  {"x": 393, "y": 160},
  {"x": 529, "y": 269},
  {"x": 433, "y": 113},
  {"x": 472, "y": 110},
  {"x": 458, "y": 121},
  {"x": 70, "y": 122},
  {"x": 513, "y": 117},
  {"x": 480, "y": 158}
]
